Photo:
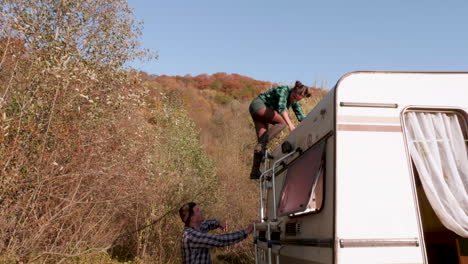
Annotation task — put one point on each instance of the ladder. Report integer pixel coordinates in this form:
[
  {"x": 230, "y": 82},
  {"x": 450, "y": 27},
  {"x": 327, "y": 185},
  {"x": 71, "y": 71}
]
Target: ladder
[{"x": 268, "y": 226}]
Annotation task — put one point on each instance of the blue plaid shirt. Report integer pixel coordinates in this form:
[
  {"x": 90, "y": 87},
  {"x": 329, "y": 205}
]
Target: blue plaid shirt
[
  {"x": 196, "y": 243},
  {"x": 278, "y": 99}
]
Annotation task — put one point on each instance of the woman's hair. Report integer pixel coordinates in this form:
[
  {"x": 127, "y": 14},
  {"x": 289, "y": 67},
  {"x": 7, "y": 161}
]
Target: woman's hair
[
  {"x": 302, "y": 90},
  {"x": 186, "y": 211},
  {"x": 298, "y": 84}
]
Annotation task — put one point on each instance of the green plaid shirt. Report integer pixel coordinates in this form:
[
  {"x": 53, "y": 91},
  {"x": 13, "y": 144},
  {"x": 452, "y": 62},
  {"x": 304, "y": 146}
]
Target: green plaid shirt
[{"x": 278, "y": 99}]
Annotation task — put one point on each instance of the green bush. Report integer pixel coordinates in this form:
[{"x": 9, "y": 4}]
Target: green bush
[
  {"x": 223, "y": 99},
  {"x": 217, "y": 85},
  {"x": 185, "y": 173}
]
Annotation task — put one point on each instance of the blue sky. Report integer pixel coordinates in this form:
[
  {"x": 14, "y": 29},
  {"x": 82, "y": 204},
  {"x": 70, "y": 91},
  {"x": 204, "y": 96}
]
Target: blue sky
[{"x": 308, "y": 40}]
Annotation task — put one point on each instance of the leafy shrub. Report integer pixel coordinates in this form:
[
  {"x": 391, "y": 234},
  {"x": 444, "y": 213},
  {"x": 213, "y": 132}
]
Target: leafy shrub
[
  {"x": 216, "y": 85},
  {"x": 223, "y": 99},
  {"x": 68, "y": 165}
]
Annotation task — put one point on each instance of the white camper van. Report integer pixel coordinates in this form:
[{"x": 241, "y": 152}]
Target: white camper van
[{"x": 376, "y": 173}]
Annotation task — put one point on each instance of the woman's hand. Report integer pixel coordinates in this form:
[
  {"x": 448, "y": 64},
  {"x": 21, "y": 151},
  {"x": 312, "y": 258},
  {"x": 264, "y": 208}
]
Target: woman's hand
[{"x": 286, "y": 119}]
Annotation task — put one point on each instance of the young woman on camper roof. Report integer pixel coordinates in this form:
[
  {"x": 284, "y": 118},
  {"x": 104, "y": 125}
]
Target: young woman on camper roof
[{"x": 271, "y": 107}]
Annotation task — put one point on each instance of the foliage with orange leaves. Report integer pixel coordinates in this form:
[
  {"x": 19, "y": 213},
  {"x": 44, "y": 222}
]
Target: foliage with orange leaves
[{"x": 236, "y": 85}]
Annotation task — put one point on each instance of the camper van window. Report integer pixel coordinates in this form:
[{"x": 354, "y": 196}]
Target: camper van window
[
  {"x": 303, "y": 187},
  {"x": 437, "y": 143}
]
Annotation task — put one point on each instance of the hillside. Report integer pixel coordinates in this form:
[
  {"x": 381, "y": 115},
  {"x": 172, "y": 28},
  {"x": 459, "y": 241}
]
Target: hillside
[
  {"x": 97, "y": 158},
  {"x": 169, "y": 140},
  {"x": 226, "y": 134}
]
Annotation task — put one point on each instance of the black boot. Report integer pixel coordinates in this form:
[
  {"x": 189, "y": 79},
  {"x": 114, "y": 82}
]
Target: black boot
[
  {"x": 260, "y": 149},
  {"x": 257, "y": 160},
  {"x": 259, "y": 152}
]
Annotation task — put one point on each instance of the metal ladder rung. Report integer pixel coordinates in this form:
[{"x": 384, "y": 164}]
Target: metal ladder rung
[
  {"x": 274, "y": 226},
  {"x": 265, "y": 224}
]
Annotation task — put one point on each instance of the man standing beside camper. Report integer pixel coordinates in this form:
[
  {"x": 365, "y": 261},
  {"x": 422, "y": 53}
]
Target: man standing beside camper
[{"x": 196, "y": 243}]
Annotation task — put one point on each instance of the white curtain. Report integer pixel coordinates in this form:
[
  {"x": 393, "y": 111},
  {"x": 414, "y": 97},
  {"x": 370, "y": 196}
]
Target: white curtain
[{"x": 439, "y": 152}]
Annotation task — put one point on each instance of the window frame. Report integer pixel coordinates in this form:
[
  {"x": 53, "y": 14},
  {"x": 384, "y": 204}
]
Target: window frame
[
  {"x": 462, "y": 116},
  {"x": 459, "y": 112},
  {"x": 321, "y": 173}
]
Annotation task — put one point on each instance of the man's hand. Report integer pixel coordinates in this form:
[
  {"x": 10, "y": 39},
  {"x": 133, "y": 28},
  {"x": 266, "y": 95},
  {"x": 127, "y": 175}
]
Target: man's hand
[
  {"x": 223, "y": 225},
  {"x": 249, "y": 228}
]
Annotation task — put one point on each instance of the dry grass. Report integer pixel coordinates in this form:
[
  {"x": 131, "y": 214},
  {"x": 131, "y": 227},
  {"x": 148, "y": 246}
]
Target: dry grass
[
  {"x": 95, "y": 162},
  {"x": 228, "y": 136}
]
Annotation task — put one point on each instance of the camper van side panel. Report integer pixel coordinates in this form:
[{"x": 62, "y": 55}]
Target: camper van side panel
[
  {"x": 313, "y": 241},
  {"x": 376, "y": 217}
]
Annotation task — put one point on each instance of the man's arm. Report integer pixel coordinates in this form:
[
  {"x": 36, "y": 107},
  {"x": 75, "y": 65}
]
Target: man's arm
[
  {"x": 197, "y": 239},
  {"x": 208, "y": 225}
]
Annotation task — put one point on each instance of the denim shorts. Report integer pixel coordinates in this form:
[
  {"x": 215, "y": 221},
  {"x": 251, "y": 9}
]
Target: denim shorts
[{"x": 256, "y": 105}]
